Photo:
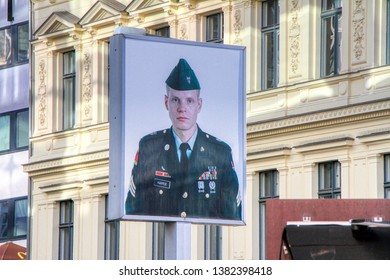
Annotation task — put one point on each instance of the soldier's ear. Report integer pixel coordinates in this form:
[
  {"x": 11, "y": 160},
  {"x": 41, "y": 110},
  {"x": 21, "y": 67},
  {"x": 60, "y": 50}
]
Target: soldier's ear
[
  {"x": 166, "y": 101},
  {"x": 200, "y": 102}
]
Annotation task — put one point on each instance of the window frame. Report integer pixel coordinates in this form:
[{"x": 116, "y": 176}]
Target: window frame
[
  {"x": 158, "y": 241},
  {"x": 274, "y": 194},
  {"x": 272, "y": 29},
  {"x": 332, "y": 192},
  {"x": 69, "y": 114},
  {"x": 386, "y": 174},
  {"x": 165, "y": 28},
  {"x": 220, "y": 28},
  {"x": 11, "y": 216},
  {"x": 388, "y": 32},
  {"x": 335, "y": 13},
  {"x": 14, "y": 48},
  {"x": 65, "y": 241},
  {"x": 13, "y": 131},
  {"x": 111, "y": 236},
  {"x": 212, "y": 242}
]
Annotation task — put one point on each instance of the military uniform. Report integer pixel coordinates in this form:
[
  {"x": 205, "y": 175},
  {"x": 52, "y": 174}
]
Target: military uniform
[{"x": 158, "y": 187}]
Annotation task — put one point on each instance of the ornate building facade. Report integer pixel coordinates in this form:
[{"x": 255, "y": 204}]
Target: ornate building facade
[
  {"x": 317, "y": 114},
  {"x": 14, "y": 120}
]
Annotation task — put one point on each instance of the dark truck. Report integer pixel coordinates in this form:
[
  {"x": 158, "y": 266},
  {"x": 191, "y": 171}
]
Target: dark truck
[{"x": 353, "y": 240}]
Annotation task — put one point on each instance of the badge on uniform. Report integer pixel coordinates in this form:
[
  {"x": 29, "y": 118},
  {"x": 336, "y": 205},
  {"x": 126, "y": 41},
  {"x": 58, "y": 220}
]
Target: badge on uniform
[
  {"x": 212, "y": 186},
  {"x": 162, "y": 174},
  {"x": 211, "y": 174},
  {"x": 162, "y": 182},
  {"x": 201, "y": 186}
]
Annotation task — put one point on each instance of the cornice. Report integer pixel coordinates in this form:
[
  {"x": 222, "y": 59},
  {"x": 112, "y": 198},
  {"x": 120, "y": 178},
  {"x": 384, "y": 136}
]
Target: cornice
[
  {"x": 72, "y": 162},
  {"x": 78, "y": 184},
  {"x": 319, "y": 119}
]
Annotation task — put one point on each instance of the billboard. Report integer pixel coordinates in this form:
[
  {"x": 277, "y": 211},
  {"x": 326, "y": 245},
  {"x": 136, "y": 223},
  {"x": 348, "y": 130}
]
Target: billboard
[{"x": 164, "y": 93}]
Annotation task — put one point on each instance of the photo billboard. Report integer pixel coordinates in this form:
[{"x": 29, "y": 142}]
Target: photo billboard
[{"x": 163, "y": 92}]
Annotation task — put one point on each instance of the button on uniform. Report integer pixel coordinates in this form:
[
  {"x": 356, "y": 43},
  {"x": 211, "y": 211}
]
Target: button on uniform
[{"x": 185, "y": 194}]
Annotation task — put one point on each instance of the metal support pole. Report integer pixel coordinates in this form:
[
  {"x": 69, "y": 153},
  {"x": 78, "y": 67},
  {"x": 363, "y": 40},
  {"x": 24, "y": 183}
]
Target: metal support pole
[{"x": 178, "y": 241}]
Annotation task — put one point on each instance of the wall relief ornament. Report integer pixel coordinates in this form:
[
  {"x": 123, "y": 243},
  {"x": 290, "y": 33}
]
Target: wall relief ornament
[
  {"x": 237, "y": 26},
  {"x": 42, "y": 94},
  {"x": 183, "y": 32},
  {"x": 358, "y": 33},
  {"x": 87, "y": 93},
  {"x": 294, "y": 34}
]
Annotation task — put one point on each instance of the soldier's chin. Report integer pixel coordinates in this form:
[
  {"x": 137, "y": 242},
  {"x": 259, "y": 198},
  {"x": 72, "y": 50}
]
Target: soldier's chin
[{"x": 183, "y": 126}]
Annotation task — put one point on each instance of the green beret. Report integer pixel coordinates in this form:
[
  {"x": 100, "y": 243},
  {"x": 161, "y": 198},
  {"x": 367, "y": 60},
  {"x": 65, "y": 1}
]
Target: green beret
[{"x": 182, "y": 77}]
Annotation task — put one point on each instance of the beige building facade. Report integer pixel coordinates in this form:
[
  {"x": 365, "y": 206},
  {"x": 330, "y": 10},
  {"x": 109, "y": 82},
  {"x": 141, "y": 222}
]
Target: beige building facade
[{"x": 318, "y": 106}]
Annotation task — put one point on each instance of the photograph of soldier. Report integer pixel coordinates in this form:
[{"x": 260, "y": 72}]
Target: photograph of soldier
[{"x": 183, "y": 171}]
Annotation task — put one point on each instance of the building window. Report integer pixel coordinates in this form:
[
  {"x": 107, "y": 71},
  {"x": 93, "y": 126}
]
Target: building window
[
  {"x": 158, "y": 241},
  {"x": 331, "y": 17},
  {"x": 269, "y": 189},
  {"x": 111, "y": 241},
  {"x": 270, "y": 44},
  {"x": 66, "y": 230},
  {"x": 14, "y": 45},
  {"x": 388, "y": 32},
  {"x": 213, "y": 242},
  {"x": 69, "y": 90},
  {"x": 14, "y": 132},
  {"x": 214, "y": 28},
  {"x": 163, "y": 31},
  {"x": 13, "y": 219},
  {"x": 329, "y": 179},
  {"x": 387, "y": 175}
]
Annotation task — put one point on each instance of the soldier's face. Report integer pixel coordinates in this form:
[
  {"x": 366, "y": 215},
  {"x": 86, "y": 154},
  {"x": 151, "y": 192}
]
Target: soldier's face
[{"x": 183, "y": 108}]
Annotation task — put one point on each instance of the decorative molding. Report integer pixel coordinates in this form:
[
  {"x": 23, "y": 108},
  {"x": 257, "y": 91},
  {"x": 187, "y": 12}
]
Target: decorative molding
[
  {"x": 344, "y": 140},
  {"x": 195, "y": 18},
  {"x": 78, "y": 48},
  {"x": 77, "y": 184},
  {"x": 57, "y": 24},
  {"x": 87, "y": 92},
  {"x": 320, "y": 119},
  {"x": 375, "y": 135},
  {"x": 76, "y": 34},
  {"x": 189, "y": 4},
  {"x": 268, "y": 152},
  {"x": 138, "y": 18},
  {"x": 42, "y": 95},
  {"x": 237, "y": 26},
  {"x": 249, "y": 3},
  {"x": 47, "y": 42},
  {"x": 294, "y": 36},
  {"x": 173, "y": 23},
  {"x": 183, "y": 32},
  {"x": 92, "y": 31},
  {"x": 74, "y": 161},
  {"x": 227, "y": 9},
  {"x": 170, "y": 10},
  {"x": 358, "y": 30}
]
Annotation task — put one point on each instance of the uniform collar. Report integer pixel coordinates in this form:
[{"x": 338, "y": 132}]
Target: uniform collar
[{"x": 190, "y": 142}]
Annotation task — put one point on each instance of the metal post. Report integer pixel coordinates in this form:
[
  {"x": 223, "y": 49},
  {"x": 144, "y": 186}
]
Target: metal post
[{"x": 178, "y": 241}]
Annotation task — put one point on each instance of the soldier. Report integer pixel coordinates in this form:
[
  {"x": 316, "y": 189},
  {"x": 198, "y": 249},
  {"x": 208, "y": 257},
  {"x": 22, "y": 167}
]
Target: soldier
[{"x": 182, "y": 171}]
